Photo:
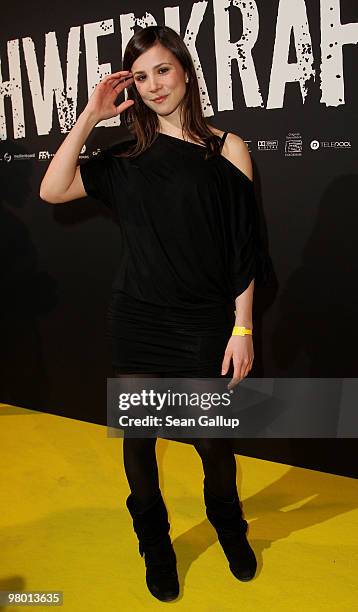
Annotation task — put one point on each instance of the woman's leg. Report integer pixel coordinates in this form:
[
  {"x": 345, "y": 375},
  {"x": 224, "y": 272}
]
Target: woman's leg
[
  {"x": 219, "y": 465},
  {"x": 149, "y": 513},
  {"x": 223, "y": 506},
  {"x": 217, "y": 454},
  {"x": 140, "y": 461}
]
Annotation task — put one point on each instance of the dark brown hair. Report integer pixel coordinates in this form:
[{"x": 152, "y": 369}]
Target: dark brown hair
[{"x": 141, "y": 121}]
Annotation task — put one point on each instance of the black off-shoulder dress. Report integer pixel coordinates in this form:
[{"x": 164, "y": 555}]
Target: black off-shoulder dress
[{"x": 189, "y": 246}]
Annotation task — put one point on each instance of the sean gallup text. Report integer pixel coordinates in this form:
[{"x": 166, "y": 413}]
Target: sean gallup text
[{"x": 170, "y": 421}]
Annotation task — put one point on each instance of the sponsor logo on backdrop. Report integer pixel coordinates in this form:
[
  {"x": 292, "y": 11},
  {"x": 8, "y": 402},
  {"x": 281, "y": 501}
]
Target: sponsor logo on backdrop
[
  {"x": 24, "y": 156},
  {"x": 267, "y": 145},
  {"x": 314, "y": 145},
  {"x": 46, "y": 155},
  {"x": 330, "y": 144},
  {"x": 336, "y": 144},
  {"x": 8, "y": 157},
  {"x": 293, "y": 145}
]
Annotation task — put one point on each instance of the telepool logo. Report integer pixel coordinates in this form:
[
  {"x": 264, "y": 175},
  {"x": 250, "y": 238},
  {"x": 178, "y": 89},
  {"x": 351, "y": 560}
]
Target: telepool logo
[
  {"x": 330, "y": 144},
  {"x": 334, "y": 144}
]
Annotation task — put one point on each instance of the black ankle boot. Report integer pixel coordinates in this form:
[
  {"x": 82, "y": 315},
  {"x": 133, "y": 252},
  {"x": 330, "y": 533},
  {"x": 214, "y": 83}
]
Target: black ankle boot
[
  {"x": 152, "y": 529},
  {"x": 226, "y": 517}
]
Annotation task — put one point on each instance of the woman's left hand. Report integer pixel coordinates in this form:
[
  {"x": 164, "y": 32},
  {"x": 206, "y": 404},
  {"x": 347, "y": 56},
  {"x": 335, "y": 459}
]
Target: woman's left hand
[{"x": 241, "y": 350}]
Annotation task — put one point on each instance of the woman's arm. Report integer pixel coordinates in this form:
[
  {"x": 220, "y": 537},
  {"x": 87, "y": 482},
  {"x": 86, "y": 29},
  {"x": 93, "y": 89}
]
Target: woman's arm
[
  {"x": 236, "y": 151},
  {"x": 62, "y": 181},
  {"x": 240, "y": 348},
  {"x": 243, "y": 305}
]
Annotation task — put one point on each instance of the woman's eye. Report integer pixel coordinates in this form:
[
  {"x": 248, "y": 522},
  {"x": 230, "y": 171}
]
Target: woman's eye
[{"x": 140, "y": 78}]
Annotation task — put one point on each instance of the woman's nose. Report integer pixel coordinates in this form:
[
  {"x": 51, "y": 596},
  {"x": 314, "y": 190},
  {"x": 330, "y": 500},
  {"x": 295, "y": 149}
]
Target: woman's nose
[{"x": 153, "y": 84}]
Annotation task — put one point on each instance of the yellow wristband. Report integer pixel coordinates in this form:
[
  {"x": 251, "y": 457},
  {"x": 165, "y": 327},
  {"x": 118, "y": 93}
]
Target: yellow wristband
[{"x": 241, "y": 331}]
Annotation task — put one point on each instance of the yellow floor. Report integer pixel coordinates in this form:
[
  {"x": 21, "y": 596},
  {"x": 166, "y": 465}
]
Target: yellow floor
[{"x": 65, "y": 526}]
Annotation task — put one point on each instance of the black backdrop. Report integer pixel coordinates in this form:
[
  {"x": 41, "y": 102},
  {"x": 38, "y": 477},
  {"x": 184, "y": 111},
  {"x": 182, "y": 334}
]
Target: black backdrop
[{"x": 58, "y": 262}]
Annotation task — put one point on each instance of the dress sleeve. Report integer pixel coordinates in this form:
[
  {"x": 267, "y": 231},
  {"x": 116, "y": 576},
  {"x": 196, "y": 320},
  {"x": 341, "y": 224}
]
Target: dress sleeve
[
  {"x": 251, "y": 259},
  {"x": 102, "y": 173},
  {"x": 97, "y": 177}
]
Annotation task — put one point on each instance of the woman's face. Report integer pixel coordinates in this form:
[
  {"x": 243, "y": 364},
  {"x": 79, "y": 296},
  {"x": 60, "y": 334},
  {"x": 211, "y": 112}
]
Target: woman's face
[{"x": 157, "y": 72}]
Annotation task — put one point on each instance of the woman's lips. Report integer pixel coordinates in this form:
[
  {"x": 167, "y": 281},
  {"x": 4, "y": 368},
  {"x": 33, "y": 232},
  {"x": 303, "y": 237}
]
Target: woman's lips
[{"x": 159, "y": 100}]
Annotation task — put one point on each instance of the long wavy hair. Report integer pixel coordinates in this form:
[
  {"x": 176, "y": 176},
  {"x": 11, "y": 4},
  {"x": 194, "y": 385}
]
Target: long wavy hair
[{"x": 141, "y": 121}]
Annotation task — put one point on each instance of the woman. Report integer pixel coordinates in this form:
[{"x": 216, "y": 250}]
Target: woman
[{"x": 182, "y": 193}]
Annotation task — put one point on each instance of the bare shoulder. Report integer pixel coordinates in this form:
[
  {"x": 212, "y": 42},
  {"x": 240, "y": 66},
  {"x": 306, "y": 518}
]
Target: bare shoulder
[{"x": 236, "y": 151}]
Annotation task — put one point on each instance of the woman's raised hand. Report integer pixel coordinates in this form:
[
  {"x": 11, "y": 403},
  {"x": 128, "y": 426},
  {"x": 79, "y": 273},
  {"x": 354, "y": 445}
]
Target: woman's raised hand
[{"x": 101, "y": 104}]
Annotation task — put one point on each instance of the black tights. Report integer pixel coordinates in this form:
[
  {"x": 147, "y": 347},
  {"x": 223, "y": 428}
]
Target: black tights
[{"x": 140, "y": 463}]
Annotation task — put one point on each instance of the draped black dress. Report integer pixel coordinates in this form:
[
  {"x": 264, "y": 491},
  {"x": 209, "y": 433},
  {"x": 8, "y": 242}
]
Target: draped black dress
[{"x": 189, "y": 246}]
